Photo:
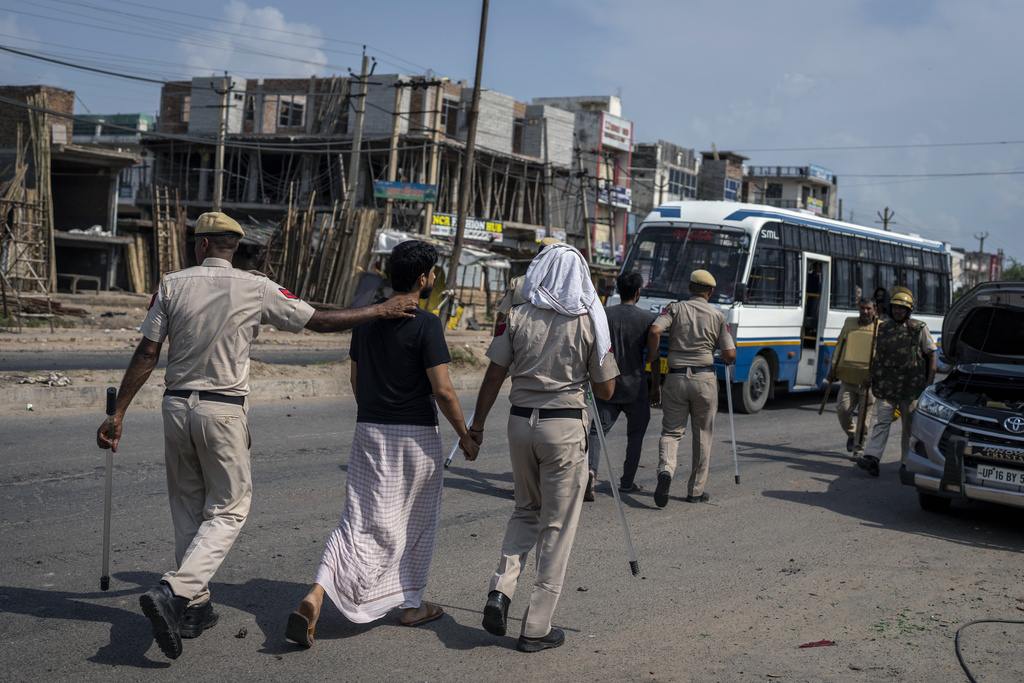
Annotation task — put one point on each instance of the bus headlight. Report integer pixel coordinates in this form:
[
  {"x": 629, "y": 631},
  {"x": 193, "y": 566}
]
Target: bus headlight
[{"x": 930, "y": 404}]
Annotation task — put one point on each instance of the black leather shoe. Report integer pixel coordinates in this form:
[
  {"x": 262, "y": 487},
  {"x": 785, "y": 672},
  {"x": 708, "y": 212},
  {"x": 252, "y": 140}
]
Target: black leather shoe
[
  {"x": 198, "y": 618},
  {"x": 702, "y": 498},
  {"x": 496, "y": 613},
  {"x": 554, "y": 638},
  {"x": 868, "y": 464},
  {"x": 849, "y": 444},
  {"x": 164, "y": 610},
  {"x": 661, "y": 493}
]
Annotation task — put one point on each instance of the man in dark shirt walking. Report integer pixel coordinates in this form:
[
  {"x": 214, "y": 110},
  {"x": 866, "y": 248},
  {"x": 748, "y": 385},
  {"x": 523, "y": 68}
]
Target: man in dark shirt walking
[
  {"x": 379, "y": 556},
  {"x": 628, "y": 326}
]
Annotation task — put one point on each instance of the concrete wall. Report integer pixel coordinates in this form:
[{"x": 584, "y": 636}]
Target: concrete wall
[
  {"x": 497, "y": 118},
  {"x": 380, "y": 103},
  {"x": 607, "y": 103},
  {"x": 204, "y": 107},
  {"x": 560, "y": 126}
]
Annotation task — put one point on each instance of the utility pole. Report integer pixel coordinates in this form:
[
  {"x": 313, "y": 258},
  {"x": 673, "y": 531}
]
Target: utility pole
[
  {"x": 981, "y": 240},
  {"x": 435, "y": 145},
  {"x": 396, "y": 122},
  {"x": 584, "y": 209},
  {"x": 466, "y": 187},
  {"x": 886, "y": 217},
  {"x": 547, "y": 181},
  {"x": 222, "y": 128},
  {"x": 345, "y": 271},
  {"x": 357, "y": 142}
]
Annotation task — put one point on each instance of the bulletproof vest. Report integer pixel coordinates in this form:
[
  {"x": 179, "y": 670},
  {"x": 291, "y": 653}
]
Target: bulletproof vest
[{"x": 898, "y": 372}]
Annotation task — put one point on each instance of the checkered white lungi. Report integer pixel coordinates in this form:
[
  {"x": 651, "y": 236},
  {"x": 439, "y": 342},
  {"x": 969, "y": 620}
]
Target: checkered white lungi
[{"x": 379, "y": 556}]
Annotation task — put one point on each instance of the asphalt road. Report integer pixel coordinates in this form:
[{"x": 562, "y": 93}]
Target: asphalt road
[{"x": 807, "y": 548}]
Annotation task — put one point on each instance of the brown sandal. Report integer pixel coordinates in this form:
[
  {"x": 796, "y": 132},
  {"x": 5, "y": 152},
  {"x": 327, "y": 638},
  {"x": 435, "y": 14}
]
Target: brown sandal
[{"x": 433, "y": 612}]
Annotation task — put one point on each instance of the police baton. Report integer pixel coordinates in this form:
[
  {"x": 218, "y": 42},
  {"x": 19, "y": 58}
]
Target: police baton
[
  {"x": 732, "y": 424},
  {"x": 634, "y": 565},
  {"x": 105, "y": 577},
  {"x": 448, "y": 460}
]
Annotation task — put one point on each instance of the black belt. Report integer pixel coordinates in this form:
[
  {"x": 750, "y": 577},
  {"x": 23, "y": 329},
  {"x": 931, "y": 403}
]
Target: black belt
[
  {"x": 706, "y": 368},
  {"x": 548, "y": 413},
  {"x": 206, "y": 396}
]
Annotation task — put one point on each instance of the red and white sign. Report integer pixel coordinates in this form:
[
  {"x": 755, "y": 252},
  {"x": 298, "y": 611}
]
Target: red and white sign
[{"x": 616, "y": 133}]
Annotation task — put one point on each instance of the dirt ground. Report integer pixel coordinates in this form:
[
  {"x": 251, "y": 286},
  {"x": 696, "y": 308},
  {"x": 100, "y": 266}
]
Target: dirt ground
[{"x": 111, "y": 323}]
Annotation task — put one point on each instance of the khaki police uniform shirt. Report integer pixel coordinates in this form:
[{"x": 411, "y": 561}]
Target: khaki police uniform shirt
[
  {"x": 695, "y": 329},
  {"x": 551, "y": 357},
  {"x": 513, "y": 295},
  {"x": 210, "y": 314}
]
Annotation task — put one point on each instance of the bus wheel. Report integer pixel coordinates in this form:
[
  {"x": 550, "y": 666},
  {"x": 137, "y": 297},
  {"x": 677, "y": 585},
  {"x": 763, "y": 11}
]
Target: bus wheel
[{"x": 753, "y": 394}]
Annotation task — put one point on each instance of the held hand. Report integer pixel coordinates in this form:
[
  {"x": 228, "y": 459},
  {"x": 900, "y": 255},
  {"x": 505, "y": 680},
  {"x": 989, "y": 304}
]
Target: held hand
[
  {"x": 470, "y": 446},
  {"x": 109, "y": 434},
  {"x": 398, "y": 307},
  {"x": 656, "y": 395},
  {"x": 831, "y": 376}
]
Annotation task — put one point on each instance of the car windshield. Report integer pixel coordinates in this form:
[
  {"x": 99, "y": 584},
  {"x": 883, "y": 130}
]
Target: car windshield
[{"x": 665, "y": 257}]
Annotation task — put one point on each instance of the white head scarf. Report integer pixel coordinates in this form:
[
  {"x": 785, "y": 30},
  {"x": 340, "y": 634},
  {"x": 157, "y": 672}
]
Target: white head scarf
[{"x": 559, "y": 279}]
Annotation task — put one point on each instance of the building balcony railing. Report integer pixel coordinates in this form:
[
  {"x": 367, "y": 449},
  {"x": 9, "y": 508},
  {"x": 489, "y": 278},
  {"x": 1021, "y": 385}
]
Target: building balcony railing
[{"x": 810, "y": 204}]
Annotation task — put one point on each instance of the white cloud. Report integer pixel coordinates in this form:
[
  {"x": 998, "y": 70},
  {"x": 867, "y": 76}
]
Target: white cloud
[{"x": 255, "y": 43}]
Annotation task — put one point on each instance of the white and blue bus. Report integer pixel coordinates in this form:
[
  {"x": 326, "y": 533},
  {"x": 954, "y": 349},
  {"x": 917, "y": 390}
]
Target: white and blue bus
[{"x": 787, "y": 280}]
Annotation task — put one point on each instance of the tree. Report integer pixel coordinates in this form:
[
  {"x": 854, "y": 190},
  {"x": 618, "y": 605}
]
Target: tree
[{"x": 1015, "y": 271}]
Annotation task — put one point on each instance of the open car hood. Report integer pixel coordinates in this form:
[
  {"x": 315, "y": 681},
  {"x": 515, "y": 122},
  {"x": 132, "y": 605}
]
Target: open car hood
[{"x": 986, "y": 325}]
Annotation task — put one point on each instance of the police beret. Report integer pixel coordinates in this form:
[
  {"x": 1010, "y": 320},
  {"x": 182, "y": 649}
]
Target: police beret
[
  {"x": 702, "y": 277},
  {"x": 216, "y": 223}
]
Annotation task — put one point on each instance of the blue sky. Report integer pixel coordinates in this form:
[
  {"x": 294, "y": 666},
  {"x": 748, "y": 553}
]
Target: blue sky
[{"x": 901, "y": 84}]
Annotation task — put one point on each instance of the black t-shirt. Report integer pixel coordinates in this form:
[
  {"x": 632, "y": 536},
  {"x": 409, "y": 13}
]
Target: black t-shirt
[
  {"x": 628, "y": 326},
  {"x": 392, "y": 386}
]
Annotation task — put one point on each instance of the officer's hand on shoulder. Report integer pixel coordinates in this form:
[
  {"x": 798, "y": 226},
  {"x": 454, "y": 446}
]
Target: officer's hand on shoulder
[{"x": 398, "y": 307}]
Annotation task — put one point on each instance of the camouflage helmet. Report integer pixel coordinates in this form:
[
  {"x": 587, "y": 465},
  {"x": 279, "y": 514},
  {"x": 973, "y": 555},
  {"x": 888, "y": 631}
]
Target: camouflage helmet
[{"x": 901, "y": 296}]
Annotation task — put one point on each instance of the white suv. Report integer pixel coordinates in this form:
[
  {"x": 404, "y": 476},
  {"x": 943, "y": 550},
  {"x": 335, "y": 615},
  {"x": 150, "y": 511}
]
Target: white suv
[{"x": 967, "y": 439}]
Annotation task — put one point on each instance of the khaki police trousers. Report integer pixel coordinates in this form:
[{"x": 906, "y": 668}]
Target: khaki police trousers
[
  {"x": 549, "y": 463},
  {"x": 692, "y": 395},
  {"x": 851, "y": 397},
  {"x": 882, "y": 420},
  {"x": 206, "y": 449}
]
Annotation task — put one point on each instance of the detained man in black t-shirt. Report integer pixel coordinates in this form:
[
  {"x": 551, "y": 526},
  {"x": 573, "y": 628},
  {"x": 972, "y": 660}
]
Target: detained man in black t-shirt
[
  {"x": 628, "y": 326},
  {"x": 379, "y": 556}
]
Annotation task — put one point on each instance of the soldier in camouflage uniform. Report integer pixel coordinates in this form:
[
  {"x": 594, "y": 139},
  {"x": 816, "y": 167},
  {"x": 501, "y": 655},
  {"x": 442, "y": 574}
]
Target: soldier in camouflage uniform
[{"x": 904, "y": 364}]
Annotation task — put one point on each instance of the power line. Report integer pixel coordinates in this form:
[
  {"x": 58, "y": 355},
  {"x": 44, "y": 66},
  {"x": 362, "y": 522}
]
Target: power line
[
  {"x": 858, "y": 147},
  {"x": 79, "y": 66}
]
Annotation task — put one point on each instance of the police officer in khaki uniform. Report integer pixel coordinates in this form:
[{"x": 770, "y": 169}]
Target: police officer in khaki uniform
[
  {"x": 695, "y": 330},
  {"x": 209, "y": 316},
  {"x": 551, "y": 355},
  {"x": 854, "y": 395}
]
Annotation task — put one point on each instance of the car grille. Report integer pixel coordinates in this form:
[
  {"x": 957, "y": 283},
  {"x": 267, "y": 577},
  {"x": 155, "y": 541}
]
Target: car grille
[{"x": 986, "y": 437}]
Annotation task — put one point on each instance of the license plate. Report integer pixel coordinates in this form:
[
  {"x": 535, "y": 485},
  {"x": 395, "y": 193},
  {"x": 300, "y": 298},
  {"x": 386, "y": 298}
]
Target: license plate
[{"x": 1000, "y": 474}]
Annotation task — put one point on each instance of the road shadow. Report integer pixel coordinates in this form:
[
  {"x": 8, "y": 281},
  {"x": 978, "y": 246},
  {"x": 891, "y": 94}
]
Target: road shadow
[
  {"x": 472, "y": 480},
  {"x": 883, "y": 502},
  {"x": 130, "y": 632}
]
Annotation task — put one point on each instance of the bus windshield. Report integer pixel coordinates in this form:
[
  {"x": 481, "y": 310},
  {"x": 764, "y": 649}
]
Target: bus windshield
[{"x": 665, "y": 257}]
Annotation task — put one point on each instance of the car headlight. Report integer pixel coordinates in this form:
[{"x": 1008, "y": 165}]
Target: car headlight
[{"x": 930, "y": 404}]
